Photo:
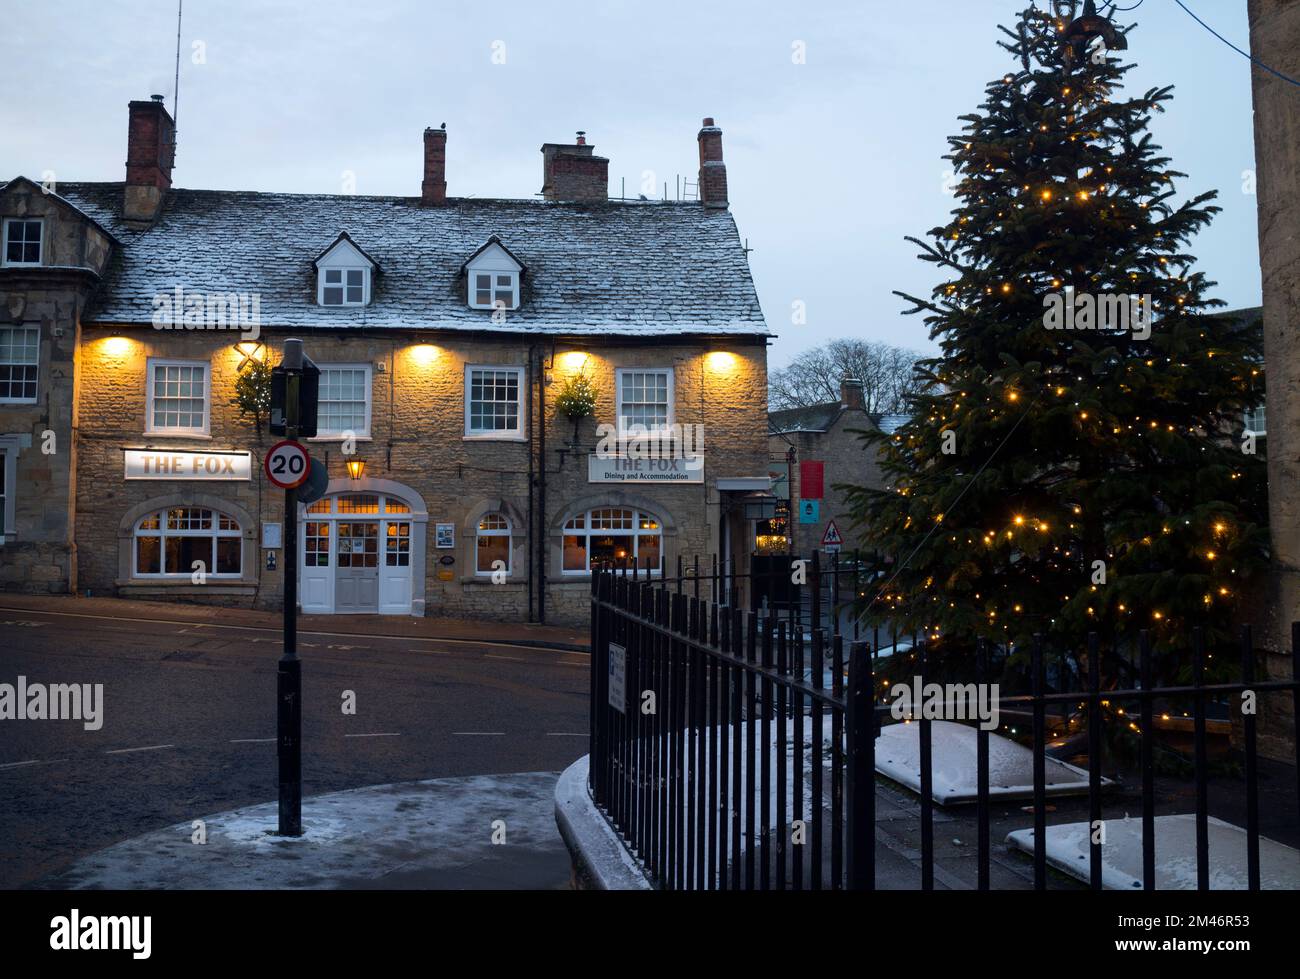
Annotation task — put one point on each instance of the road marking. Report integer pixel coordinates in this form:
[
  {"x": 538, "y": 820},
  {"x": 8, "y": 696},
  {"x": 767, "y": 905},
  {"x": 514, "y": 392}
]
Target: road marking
[
  {"x": 566, "y": 734},
  {"x": 514, "y": 659},
  {"x": 385, "y": 734},
  {"x": 480, "y": 734},
  {"x": 302, "y": 632},
  {"x": 37, "y": 761},
  {"x": 251, "y": 740},
  {"x": 152, "y": 747}
]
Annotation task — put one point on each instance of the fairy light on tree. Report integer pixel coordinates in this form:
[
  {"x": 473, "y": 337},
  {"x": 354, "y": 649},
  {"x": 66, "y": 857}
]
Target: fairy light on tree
[{"x": 1095, "y": 470}]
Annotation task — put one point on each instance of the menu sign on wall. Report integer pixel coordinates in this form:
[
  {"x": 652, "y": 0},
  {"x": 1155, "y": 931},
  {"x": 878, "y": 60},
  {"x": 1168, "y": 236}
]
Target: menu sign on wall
[{"x": 176, "y": 464}]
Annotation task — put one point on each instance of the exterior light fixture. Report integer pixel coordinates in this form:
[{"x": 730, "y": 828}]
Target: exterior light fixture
[
  {"x": 759, "y": 506},
  {"x": 356, "y": 468},
  {"x": 117, "y": 345},
  {"x": 249, "y": 350}
]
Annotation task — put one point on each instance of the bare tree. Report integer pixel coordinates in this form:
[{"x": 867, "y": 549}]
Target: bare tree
[{"x": 814, "y": 376}]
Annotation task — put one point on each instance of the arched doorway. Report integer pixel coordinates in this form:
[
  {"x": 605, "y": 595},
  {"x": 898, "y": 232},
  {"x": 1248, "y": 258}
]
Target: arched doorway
[{"x": 361, "y": 550}]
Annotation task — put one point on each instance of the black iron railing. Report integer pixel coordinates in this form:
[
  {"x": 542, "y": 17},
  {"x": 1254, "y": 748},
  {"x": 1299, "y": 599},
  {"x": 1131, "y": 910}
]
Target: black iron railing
[{"x": 741, "y": 753}]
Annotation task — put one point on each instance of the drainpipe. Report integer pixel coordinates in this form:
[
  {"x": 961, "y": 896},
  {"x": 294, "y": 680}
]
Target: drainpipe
[
  {"x": 531, "y": 374},
  {"x": 541, "y": 495}
]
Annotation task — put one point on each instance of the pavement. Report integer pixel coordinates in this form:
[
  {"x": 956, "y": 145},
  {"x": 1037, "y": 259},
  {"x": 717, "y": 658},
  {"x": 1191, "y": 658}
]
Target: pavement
[
  {"x": 527, "y": 634},
  {"x": 189, "y": 716},
  {"x": 481, "y": 832}
]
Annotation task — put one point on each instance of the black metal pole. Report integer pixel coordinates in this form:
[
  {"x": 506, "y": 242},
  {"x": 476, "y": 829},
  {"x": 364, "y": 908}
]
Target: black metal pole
[
  {"x": 860, "y": 783},
  {"x": 289, "y": 676}
]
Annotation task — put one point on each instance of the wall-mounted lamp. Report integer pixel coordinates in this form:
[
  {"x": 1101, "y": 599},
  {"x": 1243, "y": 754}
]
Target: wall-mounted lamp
[
  {"x": 250, "y": 350},
  {"x": 759, "y": 506},
  {"x": 116, "y": 345},
  {"x": 356, "y": 468},
  {"x": 424, "y": 354},
  {"x": 721, "y": 362}
]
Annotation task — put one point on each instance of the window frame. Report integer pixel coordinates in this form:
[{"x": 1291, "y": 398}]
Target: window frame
[
  {"x": 149, "y": 428},
  {"x": 472, "y": 287},
  {"x": 36, "y": 396},
  {"x": 1251, "y": 415},
  {"x": 620, "y": 375},
  {"x": 507, "y": 533},
  {"x": 497, "y": 434},
  {"x": 323, "y": 435},
  {"x": 343, "y": 270},
  {"x": 40, "y": 243},
  {"x": 586, "y": 532},
  {"x": 163, "y": 532}
]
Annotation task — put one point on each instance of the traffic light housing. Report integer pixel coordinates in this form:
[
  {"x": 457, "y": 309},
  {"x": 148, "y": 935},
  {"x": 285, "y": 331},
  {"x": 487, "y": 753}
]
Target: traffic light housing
[{"x": 308, "y": 396}]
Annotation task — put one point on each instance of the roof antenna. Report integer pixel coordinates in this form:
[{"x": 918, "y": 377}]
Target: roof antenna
[{"x": 176, "y": 83}]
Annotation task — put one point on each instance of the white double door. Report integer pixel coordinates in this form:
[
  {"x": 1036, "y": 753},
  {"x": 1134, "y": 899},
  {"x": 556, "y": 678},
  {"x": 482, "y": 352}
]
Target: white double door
[{"x": 355, "y": 566}]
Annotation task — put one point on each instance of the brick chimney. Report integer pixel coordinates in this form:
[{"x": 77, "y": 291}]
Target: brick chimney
[
  {"x": 851, "y": 395},
  {"x": 570, "y": 172},
  {"x": 150, "y": 154},
  {"x": 713, "y": 172},
  {"x": 433, "y": 191}
]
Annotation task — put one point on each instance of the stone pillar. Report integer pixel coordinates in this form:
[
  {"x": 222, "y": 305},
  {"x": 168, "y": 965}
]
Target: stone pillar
[{"x": 1275, "y": 41}]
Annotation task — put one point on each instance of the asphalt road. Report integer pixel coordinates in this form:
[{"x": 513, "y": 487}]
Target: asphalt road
[{"x": 189, "y": 723}]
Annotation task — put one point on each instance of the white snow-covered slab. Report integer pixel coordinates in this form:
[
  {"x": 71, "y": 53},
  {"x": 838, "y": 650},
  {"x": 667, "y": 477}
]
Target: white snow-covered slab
[
  {"x": 1011, "y": 765},
  {"x": 1121, "y": 855}
]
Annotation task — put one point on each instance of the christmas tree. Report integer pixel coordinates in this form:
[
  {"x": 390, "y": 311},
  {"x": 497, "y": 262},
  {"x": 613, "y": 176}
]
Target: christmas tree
[{"x": 1075, "y": 459}]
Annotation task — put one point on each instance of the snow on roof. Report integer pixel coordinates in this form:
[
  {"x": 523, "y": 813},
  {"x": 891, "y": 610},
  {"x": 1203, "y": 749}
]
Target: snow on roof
[
  {"x": 889, "y": 424},
  {"x": 625, "y": 268},
  {"x": 809, "y": 418},
  {"x": 819, "y": 418}
]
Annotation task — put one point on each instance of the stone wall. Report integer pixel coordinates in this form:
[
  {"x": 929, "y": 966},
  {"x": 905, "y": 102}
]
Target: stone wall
[
  {"x": 417, "y": 439},
  {"x": 38, "y": 552},
  {"x": 846, "y": 462}
]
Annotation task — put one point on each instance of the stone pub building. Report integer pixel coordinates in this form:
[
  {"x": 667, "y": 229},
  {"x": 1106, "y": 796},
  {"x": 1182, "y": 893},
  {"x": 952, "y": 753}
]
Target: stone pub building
[{"x": 445, "y": 329}]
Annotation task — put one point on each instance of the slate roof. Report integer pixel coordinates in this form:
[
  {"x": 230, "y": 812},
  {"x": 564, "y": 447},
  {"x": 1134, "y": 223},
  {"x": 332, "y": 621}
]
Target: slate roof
[
  {"x": 819, "y": 418},
  {"x": 810, "y": 418},
  {"x": 624, "y": 268}
]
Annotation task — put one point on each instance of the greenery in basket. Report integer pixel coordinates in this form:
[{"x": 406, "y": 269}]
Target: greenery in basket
[
  {"x": 577, "y": 398},
  {"x": 253, "y": 392}
]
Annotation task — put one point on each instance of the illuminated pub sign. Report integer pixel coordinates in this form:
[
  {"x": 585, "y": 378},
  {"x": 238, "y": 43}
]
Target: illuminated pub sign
[
  {"x": 173, "y": 464},
  {"x": 665, "y": 469}
]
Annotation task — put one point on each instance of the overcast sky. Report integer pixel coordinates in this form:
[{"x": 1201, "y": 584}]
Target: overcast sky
[{"x": 830, "y": 162}]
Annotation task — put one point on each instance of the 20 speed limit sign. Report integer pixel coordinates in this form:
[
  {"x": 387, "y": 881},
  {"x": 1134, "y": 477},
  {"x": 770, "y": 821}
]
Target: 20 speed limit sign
[{"x": 287, "y": 464}]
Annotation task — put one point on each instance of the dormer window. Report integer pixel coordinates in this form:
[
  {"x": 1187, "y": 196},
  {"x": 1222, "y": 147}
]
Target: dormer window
[
  {"x": 493, "y": 276},
  {"x": 344, "y": 274}
]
